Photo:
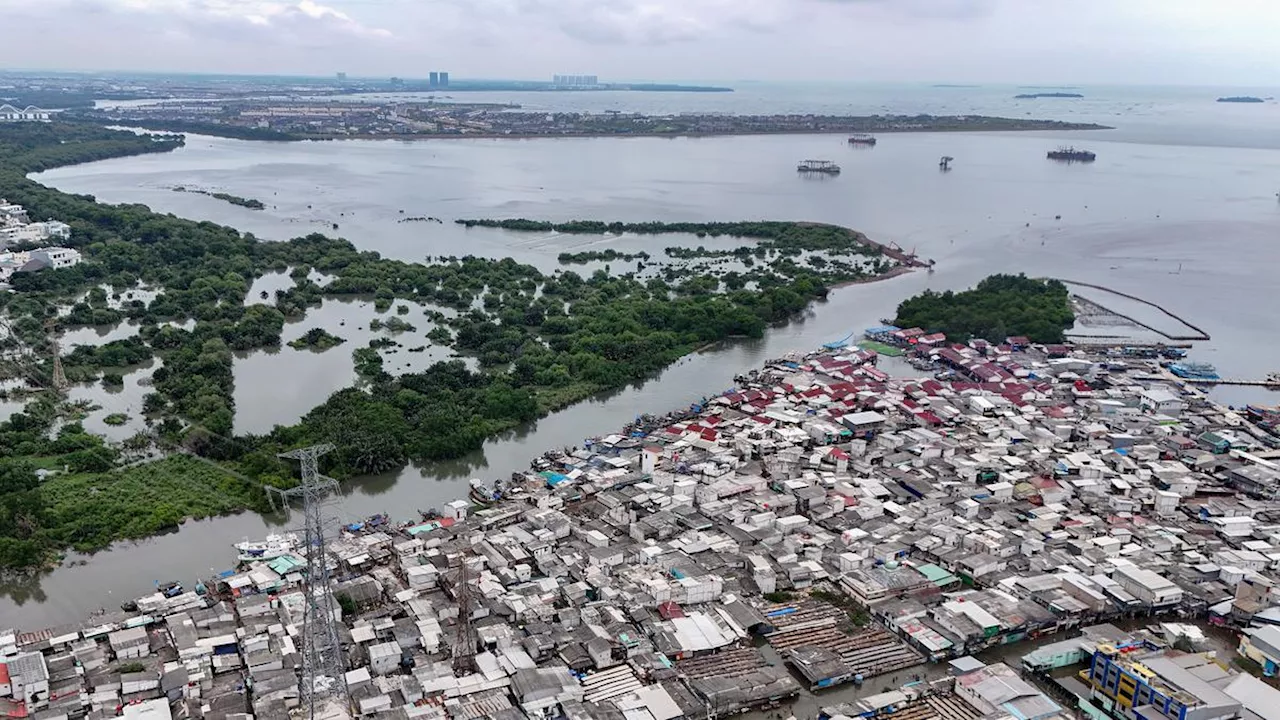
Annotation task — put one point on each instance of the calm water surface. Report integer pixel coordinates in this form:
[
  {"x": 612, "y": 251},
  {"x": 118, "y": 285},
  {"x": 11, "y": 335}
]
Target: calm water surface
[{"x": 1168, "y": 212}]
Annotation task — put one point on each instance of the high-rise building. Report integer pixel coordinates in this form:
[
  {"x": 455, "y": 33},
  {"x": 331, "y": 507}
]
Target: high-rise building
[
  {"x": 342, "y": 77},
  {"x": 433, "y": 79},
  {"x": 575, "y": 81},
  {"x": 444, "y": 79}
]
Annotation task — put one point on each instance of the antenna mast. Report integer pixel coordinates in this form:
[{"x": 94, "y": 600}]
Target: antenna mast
[{"x": 323, "y": 682}]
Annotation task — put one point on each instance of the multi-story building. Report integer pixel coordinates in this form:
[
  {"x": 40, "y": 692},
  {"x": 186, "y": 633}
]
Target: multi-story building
[
  {"x": 1157, "y": 687},
  {"x": 575, "y": 80}
]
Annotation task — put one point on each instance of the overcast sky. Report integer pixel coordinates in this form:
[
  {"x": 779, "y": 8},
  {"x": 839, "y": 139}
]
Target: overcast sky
[{"x": 1215, "y": 42}]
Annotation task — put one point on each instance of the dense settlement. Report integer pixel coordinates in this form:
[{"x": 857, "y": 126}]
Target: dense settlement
[{"x": 821, "y": 523}]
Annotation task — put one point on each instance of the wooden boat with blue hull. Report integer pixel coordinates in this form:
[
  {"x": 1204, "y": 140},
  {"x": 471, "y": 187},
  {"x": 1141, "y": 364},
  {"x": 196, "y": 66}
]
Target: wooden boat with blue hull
[{"x": 1195, "y": 371}]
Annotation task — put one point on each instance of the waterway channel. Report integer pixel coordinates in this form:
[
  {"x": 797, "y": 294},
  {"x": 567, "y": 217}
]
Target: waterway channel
[{"x": 1128, "y": 221}]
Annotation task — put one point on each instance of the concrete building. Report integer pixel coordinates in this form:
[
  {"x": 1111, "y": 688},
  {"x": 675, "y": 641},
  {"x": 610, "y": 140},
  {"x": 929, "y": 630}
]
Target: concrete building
[
  {"x": 1160, "y": 687},
  {"x": 1148, "y": 587}
]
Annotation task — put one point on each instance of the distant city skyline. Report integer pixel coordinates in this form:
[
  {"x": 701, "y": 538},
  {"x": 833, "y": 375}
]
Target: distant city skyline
[{"x": 1231, "y": 42}]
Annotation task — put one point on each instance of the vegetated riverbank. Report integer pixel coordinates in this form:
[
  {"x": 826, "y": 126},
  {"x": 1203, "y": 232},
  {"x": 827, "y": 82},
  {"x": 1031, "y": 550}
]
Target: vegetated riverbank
[
  {"x": 541, "y": 342},
  {"x": 459, "y": 123},
  {"x": 227, "y": 197},
  {"x": 1000, "y": 306}
]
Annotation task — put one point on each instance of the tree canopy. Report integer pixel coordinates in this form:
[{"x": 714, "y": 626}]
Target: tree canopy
[{"x": 1000, "y": 306}]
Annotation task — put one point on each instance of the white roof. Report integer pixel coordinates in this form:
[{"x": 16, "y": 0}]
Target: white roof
[
  {"x": 697, "y": 632},
  {"x": 149, "y": 710},
  {"x": 866, "y": 417}
]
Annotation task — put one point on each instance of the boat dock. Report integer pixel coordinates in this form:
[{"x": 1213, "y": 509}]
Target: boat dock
[{"x": 1270, "y": 383}]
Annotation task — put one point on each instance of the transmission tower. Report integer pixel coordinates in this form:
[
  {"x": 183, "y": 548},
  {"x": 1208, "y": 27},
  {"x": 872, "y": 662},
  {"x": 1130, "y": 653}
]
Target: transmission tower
[
  {"x": 59, "y": 375},
  {"x": 323, "y": 682},
  {"x": 464, "y": 644}
]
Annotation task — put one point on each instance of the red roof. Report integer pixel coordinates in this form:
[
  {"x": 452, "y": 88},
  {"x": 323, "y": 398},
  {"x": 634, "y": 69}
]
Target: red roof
[
  {"x": 838, "y": 454},
  {"x": 710, "y": 435},
  {"x": 670, "y": 610},
  {"x": 4, "y": 674}
]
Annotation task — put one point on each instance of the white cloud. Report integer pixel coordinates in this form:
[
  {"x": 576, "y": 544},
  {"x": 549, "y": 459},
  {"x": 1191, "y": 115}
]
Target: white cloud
[
  {"x": 304, "y": 22},
  {"x": 628, "y": 22}
]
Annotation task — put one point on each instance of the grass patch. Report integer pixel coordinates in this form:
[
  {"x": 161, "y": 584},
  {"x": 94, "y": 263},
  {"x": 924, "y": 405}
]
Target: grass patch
[{"x": 90, "y": 511}]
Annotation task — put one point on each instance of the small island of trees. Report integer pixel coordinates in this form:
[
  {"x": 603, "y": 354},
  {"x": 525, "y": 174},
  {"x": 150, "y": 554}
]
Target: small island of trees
[
  {"x": 317, "y": 339},
  {"x": 1000, "y": 306},
  {"x": 226, "y": 197}
]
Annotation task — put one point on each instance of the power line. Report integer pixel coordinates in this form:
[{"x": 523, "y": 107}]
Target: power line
[{"x": 323, "y": 684}]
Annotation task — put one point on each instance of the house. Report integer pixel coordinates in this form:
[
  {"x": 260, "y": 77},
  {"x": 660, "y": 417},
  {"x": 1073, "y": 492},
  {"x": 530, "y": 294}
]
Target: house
[
  {"x": 28, "y": 678},
  {"x": 1149, "y": 587},
  {"x": 863, "y": 424},
  {"x": 1262, "y": 645},
  {"x": 997, "y": 689},
  {"x": 1161, "y": 401}
]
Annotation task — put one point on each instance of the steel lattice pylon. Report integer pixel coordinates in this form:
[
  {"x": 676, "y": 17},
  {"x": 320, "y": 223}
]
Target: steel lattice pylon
[{"x": 323, "y": 683}]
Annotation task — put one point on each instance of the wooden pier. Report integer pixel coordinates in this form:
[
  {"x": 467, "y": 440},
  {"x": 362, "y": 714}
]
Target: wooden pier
[{"x": 1273, "y": 384}]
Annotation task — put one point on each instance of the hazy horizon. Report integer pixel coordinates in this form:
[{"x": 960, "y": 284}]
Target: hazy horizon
[
  {"x": 1008, "y": 42},
  {"x": 959, "y": 84}
]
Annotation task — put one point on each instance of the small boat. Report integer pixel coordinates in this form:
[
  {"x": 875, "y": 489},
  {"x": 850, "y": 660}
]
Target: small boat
[
  {"x": 1195, "y": 371},
  {"x": 173, "y": 588},
  {"x": 862, "y": 139},
  {"x": 269, "y": 549},
  {"x": 824, "y": 167},
  {"x": 481, "y": 494}
]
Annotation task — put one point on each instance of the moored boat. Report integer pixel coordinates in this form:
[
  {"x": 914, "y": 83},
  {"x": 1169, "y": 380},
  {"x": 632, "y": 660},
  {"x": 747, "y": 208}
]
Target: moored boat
[
  {"x": 1071, "y": 154},
  {"x": 1194, "y": 371},
  {"x": 481, "y": 494},
  {"x": 824, "y": 167},
  {"x": 271, "y": 548}
]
